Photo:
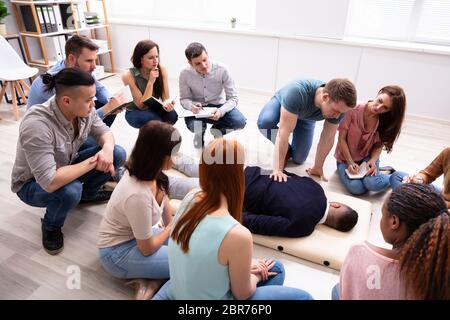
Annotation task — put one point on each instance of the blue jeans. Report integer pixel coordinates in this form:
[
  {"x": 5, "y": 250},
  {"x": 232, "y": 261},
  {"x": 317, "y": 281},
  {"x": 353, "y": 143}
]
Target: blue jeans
[
  {"x": 230, "y": 121},
  {"x": 375, "y": 183},
  {"x": 137, "y": 118},
  {"x": 302, "y": 136},
  {"x": 335, "y": 292},
  {"x": 397, "y": 178},
  {"x": 271, "y": 289},
  {"x": 125, "y": 261},
  {"x": 60, "y": 202}
]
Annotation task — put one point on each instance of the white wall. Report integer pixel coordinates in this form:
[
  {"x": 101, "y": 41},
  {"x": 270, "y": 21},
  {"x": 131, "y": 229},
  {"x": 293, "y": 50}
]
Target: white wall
[
  {"x": 318, "y": 18},
  {"x": 264, "y": 63}
]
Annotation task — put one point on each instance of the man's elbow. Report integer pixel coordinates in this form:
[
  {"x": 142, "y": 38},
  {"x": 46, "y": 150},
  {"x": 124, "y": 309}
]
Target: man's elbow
[{"x": 50, "y": 188}]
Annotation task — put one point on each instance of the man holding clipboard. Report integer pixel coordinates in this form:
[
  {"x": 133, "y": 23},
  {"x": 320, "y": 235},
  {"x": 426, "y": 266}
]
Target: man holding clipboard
[
  {"x": 209, "y": 84},
  {"x": 81, "y": 53}
]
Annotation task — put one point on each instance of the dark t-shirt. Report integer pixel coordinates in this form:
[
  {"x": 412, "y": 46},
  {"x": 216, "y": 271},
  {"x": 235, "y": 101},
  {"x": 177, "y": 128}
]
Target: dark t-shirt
[{"x": 286, "y": 209}]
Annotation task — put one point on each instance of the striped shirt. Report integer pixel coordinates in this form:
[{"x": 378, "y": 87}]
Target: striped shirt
[
  {"x": 217, "y": 87},
  {"x": 47, "y": 142}
]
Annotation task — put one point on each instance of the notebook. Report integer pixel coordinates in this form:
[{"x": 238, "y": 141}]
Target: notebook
[
  {"x": 205, "y": 112},
  {"x": 156, "y": 104},
  {"x": 361, "y": 172},
  {"x": 126, "y": 92}
]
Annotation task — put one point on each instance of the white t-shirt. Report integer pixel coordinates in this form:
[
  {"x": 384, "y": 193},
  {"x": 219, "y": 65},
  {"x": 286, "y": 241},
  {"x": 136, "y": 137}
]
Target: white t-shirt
[{"x": 130, "y": 214}]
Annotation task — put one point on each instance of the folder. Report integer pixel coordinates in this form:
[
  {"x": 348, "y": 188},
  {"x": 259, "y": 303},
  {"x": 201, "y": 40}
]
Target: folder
[
  {"x": 53, "y": 48},
  {"x": 62, "y": 45},
  {"x": 48, "y": 24},
  {"x": 81, "y": 16},
  {"x": 40, "y": 15},
  {"x": 52, "y": 17},
  {"x": 58, "y": 18}
]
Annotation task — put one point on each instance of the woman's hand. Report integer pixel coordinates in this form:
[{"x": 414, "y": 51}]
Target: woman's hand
[
  {"x": 371, "y": 168},
  {"x": 262, "y": 267},
  {"x": 154, "y": 73},
  {"x": 169, "y": 105},
  {"x": 353, "y": 168},
  {"x": 416, "y": 178}
]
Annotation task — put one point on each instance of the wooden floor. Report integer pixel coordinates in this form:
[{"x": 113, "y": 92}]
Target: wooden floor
[{"x": 27, "y": 272}]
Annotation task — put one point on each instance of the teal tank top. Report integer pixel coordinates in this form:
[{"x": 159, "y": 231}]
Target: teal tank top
[{"x": 197, "y": 274}]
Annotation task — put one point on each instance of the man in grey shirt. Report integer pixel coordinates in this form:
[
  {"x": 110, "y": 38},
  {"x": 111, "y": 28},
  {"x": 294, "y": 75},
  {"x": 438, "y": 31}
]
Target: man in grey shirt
[
  {"x": 52, "y": 169},
  {"x": 203, "y": 84}
]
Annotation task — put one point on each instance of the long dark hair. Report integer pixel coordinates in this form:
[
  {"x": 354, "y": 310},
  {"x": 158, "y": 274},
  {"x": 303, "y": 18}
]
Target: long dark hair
[
  {"x": 425, "y": 255},
  {"x": 141, "y": 49},
  {"x": 221, "y": 171},
  {"x": 390, "y": 123},
  {"x": 414, "y": 204},
  {"x": 66, "y": 78},
  {"x": 425, "y": 260},
  {"x": 156, "y": 141}
]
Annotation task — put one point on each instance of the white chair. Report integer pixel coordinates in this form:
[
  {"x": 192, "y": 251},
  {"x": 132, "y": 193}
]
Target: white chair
[{"x": 12, "y": 71}]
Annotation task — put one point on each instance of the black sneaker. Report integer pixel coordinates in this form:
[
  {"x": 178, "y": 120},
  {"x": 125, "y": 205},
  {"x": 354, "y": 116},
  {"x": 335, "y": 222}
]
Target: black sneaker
[
  {"x": 199, "y": 141},
  {"x": 101, "y": 196},
  {"x": 52, "y": 241}
]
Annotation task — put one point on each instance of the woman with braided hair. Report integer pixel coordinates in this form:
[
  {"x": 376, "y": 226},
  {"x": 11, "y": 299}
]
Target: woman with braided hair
[
  {"x": 425, "y": 260},
  {"x": 415, "y": 221}
]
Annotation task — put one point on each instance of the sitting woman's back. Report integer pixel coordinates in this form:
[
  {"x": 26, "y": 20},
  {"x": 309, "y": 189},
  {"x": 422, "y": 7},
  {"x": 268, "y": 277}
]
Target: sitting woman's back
[
  {"x": 199, "y": 275},
  {"x": 210, "y": 251},
  {"x": 415, "y": 221}
]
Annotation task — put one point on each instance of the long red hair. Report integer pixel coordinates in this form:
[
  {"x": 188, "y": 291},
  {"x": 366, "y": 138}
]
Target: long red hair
[{"x": 221, "y": 172}]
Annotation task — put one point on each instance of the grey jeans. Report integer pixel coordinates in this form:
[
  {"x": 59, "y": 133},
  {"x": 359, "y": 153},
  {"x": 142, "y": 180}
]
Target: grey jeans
[{"x": 180, "y": 186}]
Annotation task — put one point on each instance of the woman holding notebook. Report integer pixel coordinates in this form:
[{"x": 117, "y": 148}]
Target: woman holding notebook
[
  {"x": 364, "y": 132},
  {"x": 148, "y": 81}
]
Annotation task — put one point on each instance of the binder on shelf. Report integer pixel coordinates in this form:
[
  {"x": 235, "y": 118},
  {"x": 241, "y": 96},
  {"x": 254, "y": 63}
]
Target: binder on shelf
[
  {"x": 40, "y": 14},
  {"x": 81, "y": 15},
  {"x": 51, "y": 14},
  {"x": 57, "y": 12},
  {"x": 53, "y": 46},
  {"x": 27, "y": 18},
  {"x": 48, "y": 24},
  {"x": 62, "y": 45}
]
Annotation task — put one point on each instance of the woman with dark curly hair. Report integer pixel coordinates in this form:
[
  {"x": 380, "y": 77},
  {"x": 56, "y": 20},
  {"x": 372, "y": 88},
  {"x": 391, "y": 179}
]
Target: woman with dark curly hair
[{"x": 415, "y": 221}]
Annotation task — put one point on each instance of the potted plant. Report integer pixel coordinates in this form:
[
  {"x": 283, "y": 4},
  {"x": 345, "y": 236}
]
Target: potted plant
[
  {"x": 3, "y": 14},
  {"x": 233, "y": 22}
]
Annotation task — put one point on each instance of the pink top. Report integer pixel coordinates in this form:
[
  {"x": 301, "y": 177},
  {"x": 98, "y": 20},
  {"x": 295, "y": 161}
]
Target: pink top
[
  {"x": 359, "y": 140},
  {"x": 368, "y": 275}
]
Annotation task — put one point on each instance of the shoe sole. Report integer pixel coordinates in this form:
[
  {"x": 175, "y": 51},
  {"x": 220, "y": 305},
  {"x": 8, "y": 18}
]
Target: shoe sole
[{"x": 54, "y": 252}]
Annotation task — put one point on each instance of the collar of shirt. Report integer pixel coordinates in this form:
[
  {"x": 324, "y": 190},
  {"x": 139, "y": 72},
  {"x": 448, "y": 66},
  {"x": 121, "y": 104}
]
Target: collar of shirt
[
  {"x": 325, "y": 215},
  {"x": 57, "y": 67},
  {"x": 60, "y": 116}
]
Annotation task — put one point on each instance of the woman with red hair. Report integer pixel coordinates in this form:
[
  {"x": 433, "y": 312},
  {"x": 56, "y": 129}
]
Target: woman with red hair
[{"x": 204, "y": 262}]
